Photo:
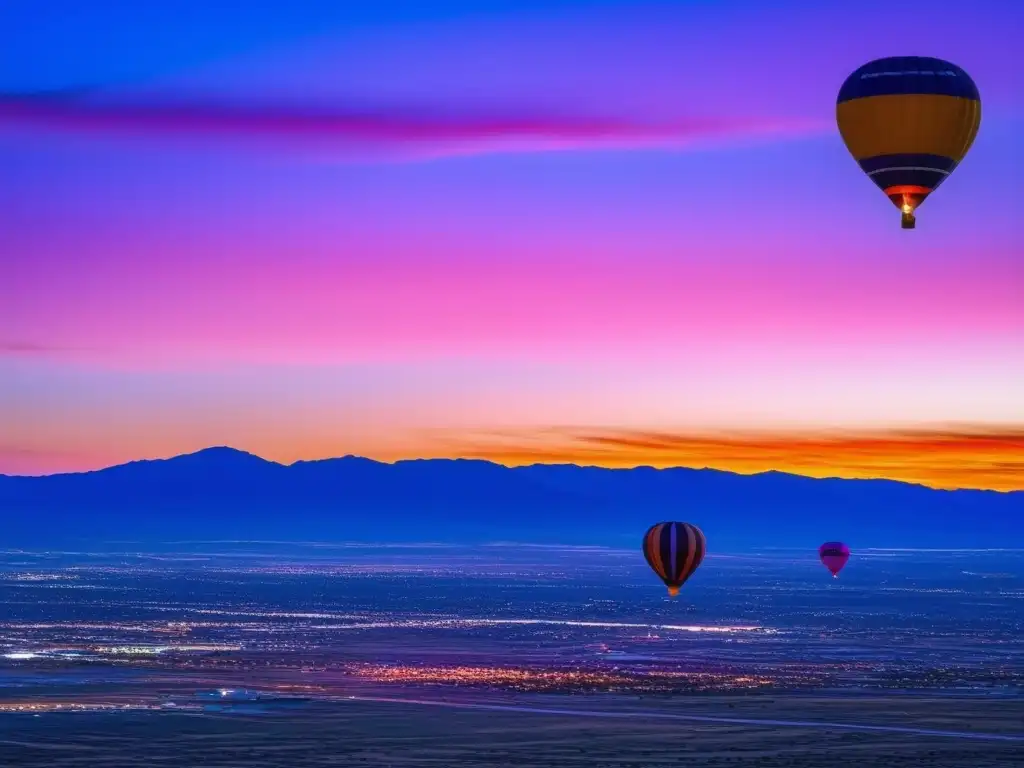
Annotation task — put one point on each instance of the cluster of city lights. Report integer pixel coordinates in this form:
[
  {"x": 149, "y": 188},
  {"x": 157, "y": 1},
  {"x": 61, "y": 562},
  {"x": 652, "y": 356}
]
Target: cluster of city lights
[
  {"x": 65, "y": 706},
  {"x": 156, "y": 650},
  {"x": 555, "y": 679}
]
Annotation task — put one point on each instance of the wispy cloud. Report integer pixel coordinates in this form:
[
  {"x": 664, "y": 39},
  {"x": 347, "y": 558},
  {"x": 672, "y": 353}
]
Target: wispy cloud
[
  {"x": 967, "y": 456},
  {"x": 27, "y": 348},
  {"x": 31, "y": 349},
  {"x": 416, "y": 132}
]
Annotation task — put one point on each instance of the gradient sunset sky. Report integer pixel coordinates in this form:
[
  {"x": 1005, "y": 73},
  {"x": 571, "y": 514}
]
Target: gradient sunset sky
[{"x": 608, "y": 232}]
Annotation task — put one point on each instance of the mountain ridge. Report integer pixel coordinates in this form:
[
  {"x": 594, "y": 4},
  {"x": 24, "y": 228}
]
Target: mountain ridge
[
  {"x": 239, "y": 452},
  {"x": 223, "y": 491}
]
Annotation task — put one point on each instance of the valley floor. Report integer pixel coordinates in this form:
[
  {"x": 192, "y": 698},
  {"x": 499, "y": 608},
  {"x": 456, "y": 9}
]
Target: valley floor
[{"x": 607, "y": 732}]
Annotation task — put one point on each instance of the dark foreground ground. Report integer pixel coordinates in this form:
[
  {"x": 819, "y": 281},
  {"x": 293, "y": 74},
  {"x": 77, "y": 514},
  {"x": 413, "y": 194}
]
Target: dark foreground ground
[{"x": 358, "y": 733}]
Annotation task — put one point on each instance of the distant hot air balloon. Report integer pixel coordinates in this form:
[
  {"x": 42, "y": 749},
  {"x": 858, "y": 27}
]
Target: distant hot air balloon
[
  {"x": 908, "y": 121},
  {"x": 674, "y": 551},
  {"x": 834, "y": 555}
]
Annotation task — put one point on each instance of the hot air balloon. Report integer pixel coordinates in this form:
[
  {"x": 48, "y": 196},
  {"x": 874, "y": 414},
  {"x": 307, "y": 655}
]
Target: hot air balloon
[
  {"x": 674, "y": 551},
  {"x": 908, "y": 121},
  {"x": 834, "y": 555}
]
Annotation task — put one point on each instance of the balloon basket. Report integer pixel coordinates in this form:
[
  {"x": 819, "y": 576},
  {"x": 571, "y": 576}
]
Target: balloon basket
[{"x": 908, "y": 222}]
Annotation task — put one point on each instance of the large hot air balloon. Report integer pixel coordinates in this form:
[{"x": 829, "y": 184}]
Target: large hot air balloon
[
  {"x": 834, "y": 555},
  {"x": 674, "y": 551},
  {"x": 908, "y": 121}
]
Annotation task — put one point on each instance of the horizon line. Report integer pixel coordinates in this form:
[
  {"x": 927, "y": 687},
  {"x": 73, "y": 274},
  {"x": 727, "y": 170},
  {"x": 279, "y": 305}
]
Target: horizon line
[{"x": 510, "y": 466}]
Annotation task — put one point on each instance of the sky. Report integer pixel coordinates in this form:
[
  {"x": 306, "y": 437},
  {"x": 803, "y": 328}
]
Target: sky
[{"x": 619, "y": 233}]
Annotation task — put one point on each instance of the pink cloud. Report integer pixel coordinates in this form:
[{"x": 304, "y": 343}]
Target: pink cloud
[
  {"x": 30, "y": 348},
  {"x": 424, "y": 132}
]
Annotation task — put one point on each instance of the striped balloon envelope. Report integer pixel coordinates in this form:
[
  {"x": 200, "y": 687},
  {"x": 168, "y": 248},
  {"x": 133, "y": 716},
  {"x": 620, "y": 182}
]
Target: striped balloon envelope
[
  {"x": 674, "y": 551},
  {"x": 908, "y": 121}
]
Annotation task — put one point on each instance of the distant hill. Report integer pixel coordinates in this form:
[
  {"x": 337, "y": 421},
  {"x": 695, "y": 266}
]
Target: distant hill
[{"x": 222, "y": 493}]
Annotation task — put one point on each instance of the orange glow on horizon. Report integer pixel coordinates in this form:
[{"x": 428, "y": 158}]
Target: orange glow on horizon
[{"x": 987, "y": 458}]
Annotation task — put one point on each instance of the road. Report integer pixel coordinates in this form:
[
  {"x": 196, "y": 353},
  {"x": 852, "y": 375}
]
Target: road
[{"x": 652, "y": 715}]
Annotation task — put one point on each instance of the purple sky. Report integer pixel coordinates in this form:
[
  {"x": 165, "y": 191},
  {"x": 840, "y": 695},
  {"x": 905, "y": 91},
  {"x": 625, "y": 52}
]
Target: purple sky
[{"x": 316, "y": 231}]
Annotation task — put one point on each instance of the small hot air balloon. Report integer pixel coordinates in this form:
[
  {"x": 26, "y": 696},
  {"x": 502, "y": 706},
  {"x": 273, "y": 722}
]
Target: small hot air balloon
[
  {"x": 834, "y": 555},
  {"x": 674, "y": 551},
  {"x": 908, "y": 121}
]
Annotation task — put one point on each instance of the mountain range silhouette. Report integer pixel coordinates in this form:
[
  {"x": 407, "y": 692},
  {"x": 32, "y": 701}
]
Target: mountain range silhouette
[{"x": 227, "y": 494}]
